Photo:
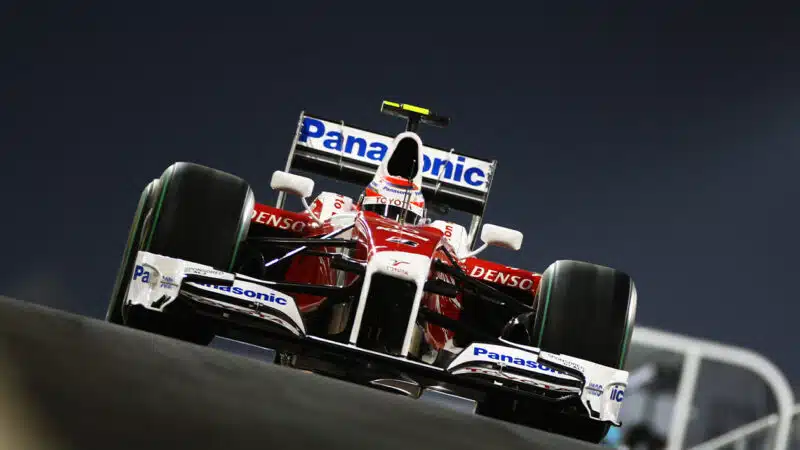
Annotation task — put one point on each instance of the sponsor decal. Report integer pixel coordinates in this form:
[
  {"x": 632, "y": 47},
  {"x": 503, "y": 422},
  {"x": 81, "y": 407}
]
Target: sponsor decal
[
  {"x": 248, "y": 293},
  {"x": 339, "y": 202},
  {"x": 145, "y": 276},
  {"x": 532, "y": 364},
  {"x": 390, "y": 201},
  {"x": 594, "y": 389},
  {"x": 496, "y": 276},
  {"x": 400, "y": 271},
  {"x": 326, "y": 203},
  {"x": 201, "y": 272},
  {"x": 399, "y": 202},
  {"x": 140, "y": 274},
  {"x": 168, "y": 282},
  {"x": 283, "y": 223},
  {"x": 383, "y": 187},
  {"x": 564, "y": 362},
  {"x": 372, "y": 148},
  {"x": 617, "y": 394},
  {"x": 396, "y": 267}
]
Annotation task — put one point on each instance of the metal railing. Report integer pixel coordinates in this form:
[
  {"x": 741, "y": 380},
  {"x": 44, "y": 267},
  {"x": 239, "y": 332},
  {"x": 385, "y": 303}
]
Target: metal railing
[
  {"x": 737, "y": 438},
  {"x": 694, "y": 351}
]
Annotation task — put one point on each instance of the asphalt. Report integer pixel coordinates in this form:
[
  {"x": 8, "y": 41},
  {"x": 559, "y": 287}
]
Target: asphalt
[{"x": 73, "y": 382}]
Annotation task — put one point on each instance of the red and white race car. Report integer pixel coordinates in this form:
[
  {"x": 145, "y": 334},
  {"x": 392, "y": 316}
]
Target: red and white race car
[{"x": 374, "y": 290}]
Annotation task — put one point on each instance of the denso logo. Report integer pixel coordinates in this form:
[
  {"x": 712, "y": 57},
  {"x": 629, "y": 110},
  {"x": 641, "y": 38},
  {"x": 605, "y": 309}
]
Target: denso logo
[
  {"x": 373, "y": 147},
  {"x": 239, "y": 292},
  {"x": 480, "y": 351},
  {"x": 284, "y": 223},
  {"x": 496, "y": 276}
]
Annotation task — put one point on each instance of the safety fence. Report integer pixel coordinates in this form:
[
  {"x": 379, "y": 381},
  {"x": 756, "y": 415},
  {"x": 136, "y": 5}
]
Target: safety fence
[{"x": 773, "y": 430}]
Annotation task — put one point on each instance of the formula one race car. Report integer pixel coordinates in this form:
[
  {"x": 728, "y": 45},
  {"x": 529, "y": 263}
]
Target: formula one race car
[{"x": 373, "y": 290}]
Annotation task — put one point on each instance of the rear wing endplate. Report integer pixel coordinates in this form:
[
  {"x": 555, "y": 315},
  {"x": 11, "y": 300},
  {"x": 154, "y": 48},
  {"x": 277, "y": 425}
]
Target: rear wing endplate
[{"x": 352, "y": 154}]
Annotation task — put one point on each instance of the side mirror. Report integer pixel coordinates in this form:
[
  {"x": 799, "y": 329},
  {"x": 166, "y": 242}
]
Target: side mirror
[
  {"x": 297, "y": 185},
  {"x": 499, "y": 237},
  {"x": 292, "y": 184}
]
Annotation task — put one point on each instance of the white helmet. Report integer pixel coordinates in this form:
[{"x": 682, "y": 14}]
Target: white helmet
[{"x": 396, "y": 190}]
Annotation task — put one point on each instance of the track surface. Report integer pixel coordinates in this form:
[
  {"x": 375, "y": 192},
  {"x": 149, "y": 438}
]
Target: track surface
[{"x": 71, "y": 382}]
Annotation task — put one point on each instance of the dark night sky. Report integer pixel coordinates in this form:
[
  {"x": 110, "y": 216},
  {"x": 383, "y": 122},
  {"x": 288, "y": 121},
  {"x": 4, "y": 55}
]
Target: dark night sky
[{"x": 661, "y": 141}]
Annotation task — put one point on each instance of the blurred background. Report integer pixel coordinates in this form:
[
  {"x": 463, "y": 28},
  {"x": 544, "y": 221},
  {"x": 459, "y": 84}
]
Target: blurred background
[{"x": 658, "y": 138}]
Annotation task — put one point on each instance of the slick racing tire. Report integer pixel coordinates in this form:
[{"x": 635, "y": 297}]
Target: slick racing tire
[
  {"x": 586, "y": 311},
  {"x": 114, "y": 312},
  {"x": 582, "y": 310},
  {"x": 191, "y": 212}
]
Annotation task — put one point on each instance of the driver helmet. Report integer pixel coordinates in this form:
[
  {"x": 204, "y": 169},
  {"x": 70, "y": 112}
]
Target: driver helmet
[
  {"x": 395, "y": 191},
  {"x": 395, "y": 198}
]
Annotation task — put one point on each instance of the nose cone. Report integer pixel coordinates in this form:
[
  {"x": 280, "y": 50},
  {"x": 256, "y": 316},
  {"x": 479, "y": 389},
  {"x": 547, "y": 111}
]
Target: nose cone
[{"x": 403, "y": 160}]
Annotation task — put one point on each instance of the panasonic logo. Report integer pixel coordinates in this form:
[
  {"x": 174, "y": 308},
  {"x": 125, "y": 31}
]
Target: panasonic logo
[
  {"x": 617, "y": 394},
  {"x": 480, "y": 351},
  {"x": 239, "y": 292},
  {"x": 367, "y": 146}
]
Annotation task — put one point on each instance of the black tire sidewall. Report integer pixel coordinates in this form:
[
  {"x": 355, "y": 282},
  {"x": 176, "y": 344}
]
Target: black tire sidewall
[
  {"x": 135, "y": 233},
  {"x": 213, "y": 235},
  {"x": 160, "y": 222},
  {"x": 585, "y": 310}
]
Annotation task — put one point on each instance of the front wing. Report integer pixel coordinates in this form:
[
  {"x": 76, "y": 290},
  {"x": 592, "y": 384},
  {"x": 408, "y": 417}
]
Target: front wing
[{"x": 157, "y": 281}]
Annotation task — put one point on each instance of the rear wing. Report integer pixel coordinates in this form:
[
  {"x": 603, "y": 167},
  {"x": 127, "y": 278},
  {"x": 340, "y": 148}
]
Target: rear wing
[{"x": 352, "y": 154}]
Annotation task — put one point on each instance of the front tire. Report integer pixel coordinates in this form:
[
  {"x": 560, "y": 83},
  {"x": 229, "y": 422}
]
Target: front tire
[
  {"x": 143, "y": 209},
  {"x": 586, "y": 311},
  {"x": 191, "y": 212},
  {"x": 582, "y": 310}
]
